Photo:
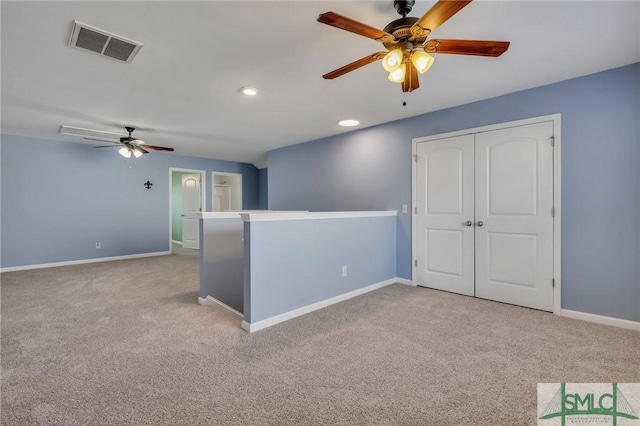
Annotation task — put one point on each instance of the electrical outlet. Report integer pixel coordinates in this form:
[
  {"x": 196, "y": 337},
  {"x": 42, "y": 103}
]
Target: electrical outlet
[
  {"x": 98, "y": 244},
  {"x": 405, "y": 209},
  {"x": 344, "y": 271}
]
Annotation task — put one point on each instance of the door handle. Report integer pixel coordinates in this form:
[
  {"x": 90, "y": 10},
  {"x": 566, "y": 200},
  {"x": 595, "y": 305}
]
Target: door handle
[
  {"x": 182, "y": 215},
  {"x": 480, "y": 223},
  {"x": 468, "y": 223}
]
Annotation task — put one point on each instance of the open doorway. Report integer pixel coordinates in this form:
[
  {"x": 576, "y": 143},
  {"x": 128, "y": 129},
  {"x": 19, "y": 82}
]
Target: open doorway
[
  {"x": 187, "y": 190},
  {"x": 227, "y": 191}
]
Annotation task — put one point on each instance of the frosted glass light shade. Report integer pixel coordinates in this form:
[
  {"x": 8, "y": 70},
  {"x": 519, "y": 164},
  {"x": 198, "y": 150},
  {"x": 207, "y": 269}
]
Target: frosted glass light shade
[
  {"x": 392, "y": 60},
  {"x": 125, "y": 152},
  {"x": 137, "y": 153},
  {"x": 397, "y": 76},
  {"x": 422, "y": 61}
]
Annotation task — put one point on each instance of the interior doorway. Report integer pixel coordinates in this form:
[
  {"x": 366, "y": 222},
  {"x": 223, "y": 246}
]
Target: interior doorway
[
  {"x": 227, "y": 191},
  {"x": 176, "y": 201}
]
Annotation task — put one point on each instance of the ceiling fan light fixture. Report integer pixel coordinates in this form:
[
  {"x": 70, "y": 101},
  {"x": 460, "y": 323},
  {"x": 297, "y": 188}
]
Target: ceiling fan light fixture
[
  {"x": 125, "y": 152},
  {"x": 393, "y": 60},
  {"x": 136, "y": 152},
  {"x": 397, "y": 76},
  {"x": 422, "y": 61}
]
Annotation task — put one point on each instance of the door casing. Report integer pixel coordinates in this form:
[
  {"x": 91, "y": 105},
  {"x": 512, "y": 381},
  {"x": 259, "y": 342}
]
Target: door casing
[
  {"x": 203, "y": 192},
  {"x": 557, "y": 232},
  {"x": 191, "y": 214}
]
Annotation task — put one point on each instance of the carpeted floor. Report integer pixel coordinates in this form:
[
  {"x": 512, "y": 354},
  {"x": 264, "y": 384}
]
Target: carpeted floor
[{"x": 126, "y": 343}]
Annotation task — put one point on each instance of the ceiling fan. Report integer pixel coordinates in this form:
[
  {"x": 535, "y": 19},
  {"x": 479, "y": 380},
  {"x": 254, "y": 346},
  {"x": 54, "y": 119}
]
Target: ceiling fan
[
  {"x": 406, "y": 42},
  {"x": 133, "y": 145}
]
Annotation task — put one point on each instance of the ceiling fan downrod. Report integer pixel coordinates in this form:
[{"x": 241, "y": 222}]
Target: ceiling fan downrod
[{"x": 403, "y": 7}]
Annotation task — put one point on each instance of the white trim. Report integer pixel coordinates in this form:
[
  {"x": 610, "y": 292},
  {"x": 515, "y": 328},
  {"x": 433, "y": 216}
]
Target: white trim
[
  {"x": 215, "y": 303},
  {"x": 268, "y": 322},
  {"x": 491, "y": 127},
  {"x": 236, "y": 214},
  {"x": 557, "y": 220},
  {"x": 615, "y": 322},
  {"x": 405, "y": 281},
  {"x": 83, "y": 261},
  {"x": 203, "y": 192},
  {"x": 267, "y": 216},
  {"x": 219, "y": 215},
  {"x": 176, "y": 242}
]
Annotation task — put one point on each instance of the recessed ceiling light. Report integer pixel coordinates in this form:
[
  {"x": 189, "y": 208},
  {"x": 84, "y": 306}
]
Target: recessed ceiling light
[
  {"x": 250, "y": 90},
  {"x": 348, "y": 123}
]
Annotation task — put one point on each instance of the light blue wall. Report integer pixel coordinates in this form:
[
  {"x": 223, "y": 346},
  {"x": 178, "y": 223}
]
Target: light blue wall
[
  {"x": 370, "y": 169},
  {"x": 294, "y": 263},
  {"x": 59, "y": 198},
  {"x": 263, "y": 203},
  {"x": 221, "y": 261}
]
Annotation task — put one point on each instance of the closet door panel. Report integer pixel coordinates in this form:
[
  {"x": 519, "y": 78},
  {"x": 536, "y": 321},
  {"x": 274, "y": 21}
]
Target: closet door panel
[
  {"x": 444, "y": 206},
  {"x": 514, "y": 224}
]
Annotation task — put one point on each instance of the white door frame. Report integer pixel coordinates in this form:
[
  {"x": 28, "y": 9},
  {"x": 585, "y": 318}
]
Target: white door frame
[
  {"x": 203, "y": 193},
  {"x": 557, "y": 220},
  {"x": 237, "y": 196}
]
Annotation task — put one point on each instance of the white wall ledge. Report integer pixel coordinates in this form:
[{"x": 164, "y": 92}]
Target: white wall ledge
[
  {"x": 267, "y": 216},
  {"x": 236, "y": 214}
]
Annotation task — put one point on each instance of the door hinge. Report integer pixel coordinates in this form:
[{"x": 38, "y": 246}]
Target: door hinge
[
  {"x": 415, "y": 210},
  {"x": 553, "y": 282},
  {"x": 415, "y": 158},
  {"x": 553, "y": 212},
  {"x": 553, "y": 140},
  {"x": 415, "y": 262}
]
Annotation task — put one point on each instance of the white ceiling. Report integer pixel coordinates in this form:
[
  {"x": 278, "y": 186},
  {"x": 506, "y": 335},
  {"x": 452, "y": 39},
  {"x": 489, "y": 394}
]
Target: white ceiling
[{"x": 182, "y": 90}]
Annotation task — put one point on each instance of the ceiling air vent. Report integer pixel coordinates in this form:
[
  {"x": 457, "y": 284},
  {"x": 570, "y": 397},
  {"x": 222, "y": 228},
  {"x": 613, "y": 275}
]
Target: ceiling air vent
[{"x": 102, "y": 42}]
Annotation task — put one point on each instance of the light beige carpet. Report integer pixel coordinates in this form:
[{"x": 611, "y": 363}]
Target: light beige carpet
[{"x": 126, "y": 343}]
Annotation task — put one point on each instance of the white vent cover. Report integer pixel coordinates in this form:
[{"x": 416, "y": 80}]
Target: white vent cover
[
  {"x": 90, "y": 134},
  {"x": 102, "y": 42}
]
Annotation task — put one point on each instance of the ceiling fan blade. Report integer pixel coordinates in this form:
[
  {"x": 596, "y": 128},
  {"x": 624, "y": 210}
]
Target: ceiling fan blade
[
  {"x": 107, "y": 146},
  {"x": 144, "y": 151},
  {"x": 356, "y": 27},
  {"x": 467, "y": 47},
  {"x": 354, "y": 65},
  {"x": 411, "y": 81},
  {"x": 436, "y": 16},
  {"x": 157, "y": 148}
]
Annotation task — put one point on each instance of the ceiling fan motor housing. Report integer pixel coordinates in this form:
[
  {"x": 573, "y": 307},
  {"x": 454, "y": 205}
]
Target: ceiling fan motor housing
[{"x": 401, "y": 30}]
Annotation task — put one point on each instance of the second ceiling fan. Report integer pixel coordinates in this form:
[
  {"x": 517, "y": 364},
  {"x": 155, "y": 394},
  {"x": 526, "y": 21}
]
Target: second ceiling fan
[
  {"x": 406, "y": 42},
  {"x": 134, "y": 146}
]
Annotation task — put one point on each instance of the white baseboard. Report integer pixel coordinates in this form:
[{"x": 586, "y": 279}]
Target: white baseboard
[
  {"x": 405, "y": 281},
  {"x": 615, "y": 322},
  {"x": 215, "y": 303},
  {"x": 83, "y": 261},
  {"x": 268, "y": 322}
]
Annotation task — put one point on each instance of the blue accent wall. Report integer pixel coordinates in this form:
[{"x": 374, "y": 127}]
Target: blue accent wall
[
  {"x": 222, "y": 261},
  {"x": 370, "y": 169},
  {"x": 263, "y": 180},
  {"x": 59, "y": 198},
  {"x": 295, "y": 263}
]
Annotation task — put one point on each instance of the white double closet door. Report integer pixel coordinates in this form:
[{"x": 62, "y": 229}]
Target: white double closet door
[{"x": 484, "y": 215}]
